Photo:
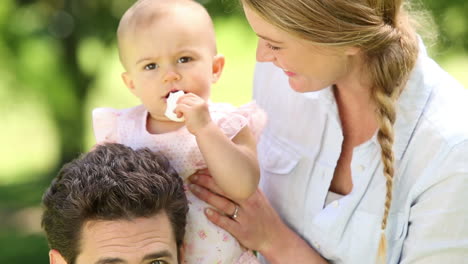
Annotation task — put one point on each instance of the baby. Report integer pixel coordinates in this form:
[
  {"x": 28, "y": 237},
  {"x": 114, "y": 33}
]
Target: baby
[{"x": 169, "y": 46}]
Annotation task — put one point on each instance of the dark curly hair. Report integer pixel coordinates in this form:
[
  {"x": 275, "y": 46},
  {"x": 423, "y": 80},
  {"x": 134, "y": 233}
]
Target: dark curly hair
[{"x": 111, "y": 182}]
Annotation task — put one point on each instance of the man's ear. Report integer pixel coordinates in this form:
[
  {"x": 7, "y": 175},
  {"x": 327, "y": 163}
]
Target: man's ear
[
  {"x": 127, "y": 79},
  {"x": 181, "y": 254},
  {"x": 218, "y": 66},
  {"x": 55, "y": 257}
]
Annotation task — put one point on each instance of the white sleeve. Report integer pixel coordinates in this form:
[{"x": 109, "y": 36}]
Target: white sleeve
[{"x": 438, "y": 223}]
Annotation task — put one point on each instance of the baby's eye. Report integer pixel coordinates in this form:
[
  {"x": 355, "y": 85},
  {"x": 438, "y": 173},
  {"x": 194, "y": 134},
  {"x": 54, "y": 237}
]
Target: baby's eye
[
  {"x": 151, "y": 66},
  {"x": 184, "y": 59},
  {"x": 272, "y": 47}
]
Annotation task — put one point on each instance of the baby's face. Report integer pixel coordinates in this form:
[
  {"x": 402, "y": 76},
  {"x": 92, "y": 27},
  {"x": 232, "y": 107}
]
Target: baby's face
[{"x": 173, "y": 53}]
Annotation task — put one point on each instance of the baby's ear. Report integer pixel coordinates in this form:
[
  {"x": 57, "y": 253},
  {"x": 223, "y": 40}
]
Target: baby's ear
[
  {"x": 218, "y": 66},
  {"x": 55, "y": 257},
  {"x": 127, "y": 79}
]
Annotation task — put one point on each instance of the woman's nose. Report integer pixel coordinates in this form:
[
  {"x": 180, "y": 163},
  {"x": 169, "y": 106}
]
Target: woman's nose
[
  {"x": 264, "y": 54},
  {"x": 171, "y": 76}
]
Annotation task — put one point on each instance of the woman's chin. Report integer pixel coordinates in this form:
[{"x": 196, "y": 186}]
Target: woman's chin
[
  {"x": 296, "y": 85},
  {"x": 301, "y": 86}
]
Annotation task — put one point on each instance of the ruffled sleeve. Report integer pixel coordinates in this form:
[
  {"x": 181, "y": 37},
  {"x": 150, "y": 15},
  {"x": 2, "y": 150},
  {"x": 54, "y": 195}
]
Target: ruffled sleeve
[
  {"x": 105, "y": 122},
  {"x": 231, "y": 120},
  {"x": 256, "y": 117}
]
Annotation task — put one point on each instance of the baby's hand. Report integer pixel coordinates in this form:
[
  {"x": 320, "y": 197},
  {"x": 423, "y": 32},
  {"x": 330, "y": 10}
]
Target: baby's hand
[
  {"x": 195, "y": 111},
  {"x": 171, "y": 104}
]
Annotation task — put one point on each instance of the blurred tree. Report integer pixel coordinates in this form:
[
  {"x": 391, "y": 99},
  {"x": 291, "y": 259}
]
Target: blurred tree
[
  {"x": 452, "y": 23},
  {"x": 46, "y": 36}
]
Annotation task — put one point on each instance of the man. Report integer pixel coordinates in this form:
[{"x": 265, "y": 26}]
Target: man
[{"x": 115, "y": 205}]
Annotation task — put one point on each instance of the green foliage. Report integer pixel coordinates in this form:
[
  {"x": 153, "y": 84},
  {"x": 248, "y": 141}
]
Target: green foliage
[
  {"x": 23, "y": 248},
  {"x": 450, "y": 16},
  {"x": 21, "y": 195}
]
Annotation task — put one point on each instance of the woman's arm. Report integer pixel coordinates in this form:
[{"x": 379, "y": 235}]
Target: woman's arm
[{"x": 257, "y": 225}]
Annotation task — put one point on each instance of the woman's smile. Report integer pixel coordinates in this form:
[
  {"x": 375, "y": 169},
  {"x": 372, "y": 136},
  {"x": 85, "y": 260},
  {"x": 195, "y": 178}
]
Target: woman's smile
[{"x": 289, "y": 74}]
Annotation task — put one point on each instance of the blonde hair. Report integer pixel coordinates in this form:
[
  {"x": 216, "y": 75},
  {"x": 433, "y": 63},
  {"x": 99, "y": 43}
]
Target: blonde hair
[{"x": 382, "y": 30}]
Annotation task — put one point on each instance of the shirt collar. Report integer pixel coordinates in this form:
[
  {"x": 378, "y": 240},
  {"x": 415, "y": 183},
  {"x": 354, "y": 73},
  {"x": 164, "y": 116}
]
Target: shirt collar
[{"x": 412, "y": 102}]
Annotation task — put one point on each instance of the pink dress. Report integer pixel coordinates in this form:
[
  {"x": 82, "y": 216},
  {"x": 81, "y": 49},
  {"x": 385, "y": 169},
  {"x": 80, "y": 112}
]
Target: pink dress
[{"x": 204, "y": 242}]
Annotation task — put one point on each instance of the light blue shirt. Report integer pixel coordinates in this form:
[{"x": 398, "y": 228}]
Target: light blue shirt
[{"x": 298, "y": 152}]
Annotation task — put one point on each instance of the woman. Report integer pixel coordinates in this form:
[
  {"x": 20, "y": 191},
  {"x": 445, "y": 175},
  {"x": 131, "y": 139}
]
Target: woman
[{"x": 369, "y": 167}]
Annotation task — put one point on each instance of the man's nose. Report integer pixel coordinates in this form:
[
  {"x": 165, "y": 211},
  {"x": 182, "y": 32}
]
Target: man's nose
[{"x": 264, "y": 54}]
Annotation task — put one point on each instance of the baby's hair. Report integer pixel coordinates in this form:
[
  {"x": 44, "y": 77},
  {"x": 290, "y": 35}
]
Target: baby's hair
[
  {"x": 143, "y": 13},
  {"x": 382, "y": 30}
]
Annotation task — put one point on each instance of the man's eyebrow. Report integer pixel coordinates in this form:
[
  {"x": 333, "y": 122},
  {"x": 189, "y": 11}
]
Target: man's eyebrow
[
  {"x": 156, "y": 255},
  {"x": 269, "y": 39},
  {"x": 160, "y": 254},
  {"x": 110, "y": 261}
]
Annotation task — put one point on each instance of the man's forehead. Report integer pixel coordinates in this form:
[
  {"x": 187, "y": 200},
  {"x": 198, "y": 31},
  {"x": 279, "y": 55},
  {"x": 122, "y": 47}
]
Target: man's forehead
[
  {"x": 127, "y": 239},
  {"x": 158, "y": 223}
]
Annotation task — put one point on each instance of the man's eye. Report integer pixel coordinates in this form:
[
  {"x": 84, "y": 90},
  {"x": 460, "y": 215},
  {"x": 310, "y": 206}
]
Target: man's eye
[
  {"x": 151, "y": 66},
  {"x": 158, "y": 262},
  {"x": 184, "y": 59}
]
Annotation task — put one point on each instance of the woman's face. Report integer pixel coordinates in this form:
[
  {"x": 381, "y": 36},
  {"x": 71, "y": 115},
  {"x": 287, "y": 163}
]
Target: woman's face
[{"x": 308, "y": 66}]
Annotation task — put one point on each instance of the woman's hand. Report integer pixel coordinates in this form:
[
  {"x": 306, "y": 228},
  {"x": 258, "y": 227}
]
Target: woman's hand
[
  {"x": 255, "y": 216},
  {"x": 256, "y": 226}
]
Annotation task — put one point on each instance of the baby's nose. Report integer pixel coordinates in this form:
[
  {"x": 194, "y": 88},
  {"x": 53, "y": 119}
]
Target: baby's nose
[{"x": 171, "y": 76}]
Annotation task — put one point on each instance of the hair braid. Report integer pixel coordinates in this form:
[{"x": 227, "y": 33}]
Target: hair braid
[
  {"x": 386, "y": 116},
  {"x": 389, "y": 66}
]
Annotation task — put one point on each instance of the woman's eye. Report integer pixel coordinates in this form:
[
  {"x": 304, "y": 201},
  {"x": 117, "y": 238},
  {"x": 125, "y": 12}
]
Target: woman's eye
[
  {"x": 184, "y": 59},
  {"x": 272, "y": 47},
  {"x": 151, "y": 66}
]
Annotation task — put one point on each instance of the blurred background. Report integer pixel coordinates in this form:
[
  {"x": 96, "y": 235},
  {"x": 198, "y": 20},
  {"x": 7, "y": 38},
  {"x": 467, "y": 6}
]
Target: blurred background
[{"x": 59, "y": 61}]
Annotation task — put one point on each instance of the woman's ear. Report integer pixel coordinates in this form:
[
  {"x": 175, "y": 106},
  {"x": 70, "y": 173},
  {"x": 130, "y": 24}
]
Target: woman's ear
[
  {"x": 352, "y": 50},
  {"x": 127, "y": 79},
  {"x": 55, "y": 257},
  {"x": 218, "y": 66}
]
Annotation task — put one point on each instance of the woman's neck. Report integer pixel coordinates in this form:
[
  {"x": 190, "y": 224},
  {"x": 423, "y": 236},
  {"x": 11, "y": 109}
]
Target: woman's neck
[{"x": 356, "y": 108}]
